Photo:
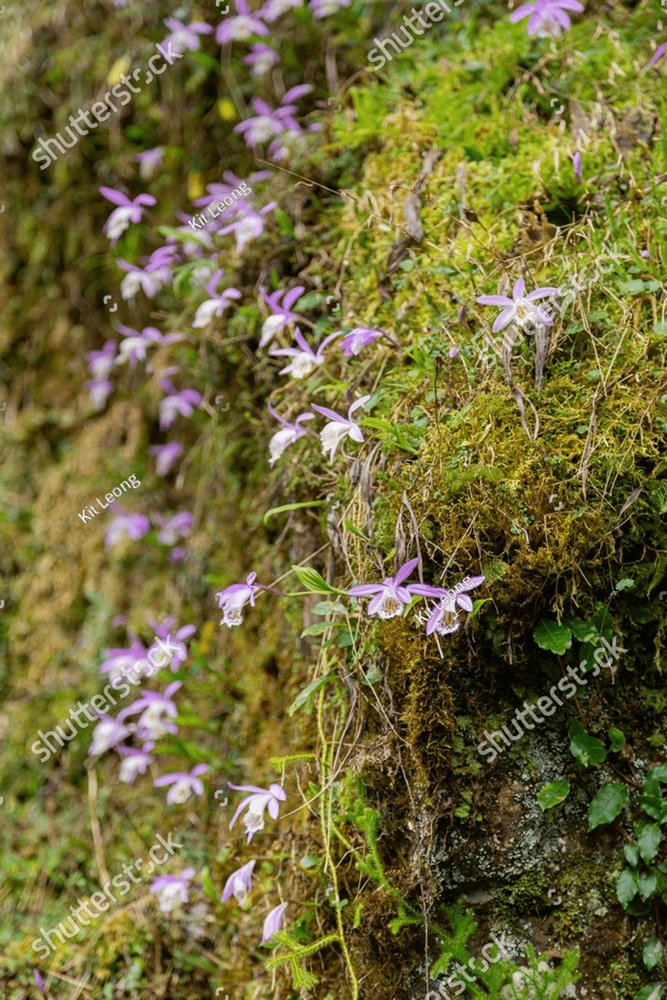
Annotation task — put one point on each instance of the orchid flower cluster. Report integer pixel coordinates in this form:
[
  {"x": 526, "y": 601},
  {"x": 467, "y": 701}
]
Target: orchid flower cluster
[
  {"x": 135, "y": 526},
  {"x": 239, "y": 883},
  {"x": 155, "y": 710}
]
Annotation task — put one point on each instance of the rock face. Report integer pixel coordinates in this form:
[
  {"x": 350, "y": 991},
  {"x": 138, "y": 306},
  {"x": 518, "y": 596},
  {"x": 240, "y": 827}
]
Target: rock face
[{"x": 529, "y": 458}]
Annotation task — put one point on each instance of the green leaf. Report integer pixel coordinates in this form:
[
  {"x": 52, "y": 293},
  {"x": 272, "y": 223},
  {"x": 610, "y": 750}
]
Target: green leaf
[
  {"x": 607, "y": 804},
  {"x": 617, "y": 738},
  {"x": 627, "y": 886},
  {"x": 319, "y": 628},
  {"x": 313, "y": 581},
  {"x": 625, "y": 584},
  {"x": 652, "y": 953},
  {"x": 581, "y": 630},
  {"x": 207, "y": 885},
  {"x": 329, "y": 608},
  {"x": 651, "y": 992},
  {"x": 355, "y": 531},
  {"x": 648, "y": 840},
  {"x": 309, "y": 690},
  {"x": 553, "y": 794},
  {"x": 647, "y": 885},
  {"x": 553, "y": 636},
  {"x": 631, "y": 854},
  {"x": 654, "y": 806},
  {"x": 293, "y": 506},
  {"x": 587, "y": 749}
]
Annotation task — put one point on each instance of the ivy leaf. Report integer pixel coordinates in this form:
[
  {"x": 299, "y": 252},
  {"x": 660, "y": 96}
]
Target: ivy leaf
[
  {"x": 652, "y": 953},
  {"x": 553, "y": 794},
  {"x": 625, "y": 584},
  {"x": 627, "y": 886},
  {"x": 554, "y": 637},
  {"x": 648, "y": 840},
  {"x": 607, "y": 804}
]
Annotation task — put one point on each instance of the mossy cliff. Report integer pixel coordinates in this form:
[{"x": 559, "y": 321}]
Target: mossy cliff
[{"x": 446, "y": 176}]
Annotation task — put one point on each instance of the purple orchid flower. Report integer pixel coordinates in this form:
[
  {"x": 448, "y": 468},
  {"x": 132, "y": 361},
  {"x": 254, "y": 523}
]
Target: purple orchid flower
[
  {"x": 184, "y": 784},
  {"x": 133, "y": 526},
  {"x": 101, "y": 362},
  {"x": 658, "y": 54},
  {"x": 100, "y": 389},
  {"x": 261, "y": 58},
  {"x": 290, "y": 433},
  {"x": 174, "y": 528},
  {"x": 149, "y": 161},
  {"x": 547, "y": 18},
  {"x": 325, "y": 8},
  {"x": 234, "y": 598},
  {"x": 180, "y": 404},
  {"x": 166, "y": 456},
  {"x": 135, "y": 345},
  {"x": 273, "y": 9},
  {"x": 238, "y": 884},
  {"x": 271, "y": 124},
  {"x": 445, "y": 617},
  {"x": 118, "y": 660},
  {"x": 390, "y": 597},
  {"x": 129, "y": 210},
  {"x": 519, "y": 309},
  {"x": 135, "y": 762},
  {"x": 216, "y": 305},
  {"x": 355, "y": 341},
  {"x": 150, "y": 279},
  {"x": 172, "y": 890},
  {"x": 249, "y": 226},
  {"x": 255, "y": 804},
  {"x": 245, "y": 24},
  {"x": 39, "y": 982},
  {"x": 281, "y": 313},
  {"x": 183, "y": 36},
  {"x": 165, "y": 631},
  {"x": 106, "y": 734},
  {"x": 155, "y": 709},
  {"x": 304, "y": 359},
  {"x": 273, "y": 922},
  {"x": 339, "y": 427},
  {"x": 576, "y": 163}
]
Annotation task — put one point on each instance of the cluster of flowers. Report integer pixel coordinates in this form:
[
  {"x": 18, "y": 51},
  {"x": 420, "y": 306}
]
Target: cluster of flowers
[
  {"x": 156, "y": 710},
  {"x": 389, "y": 599},
  {"x": 173, "y": 890}
]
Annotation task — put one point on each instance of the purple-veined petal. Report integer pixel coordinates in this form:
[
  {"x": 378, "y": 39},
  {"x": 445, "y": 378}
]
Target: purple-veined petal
[{"x": 405, "y": 571}]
